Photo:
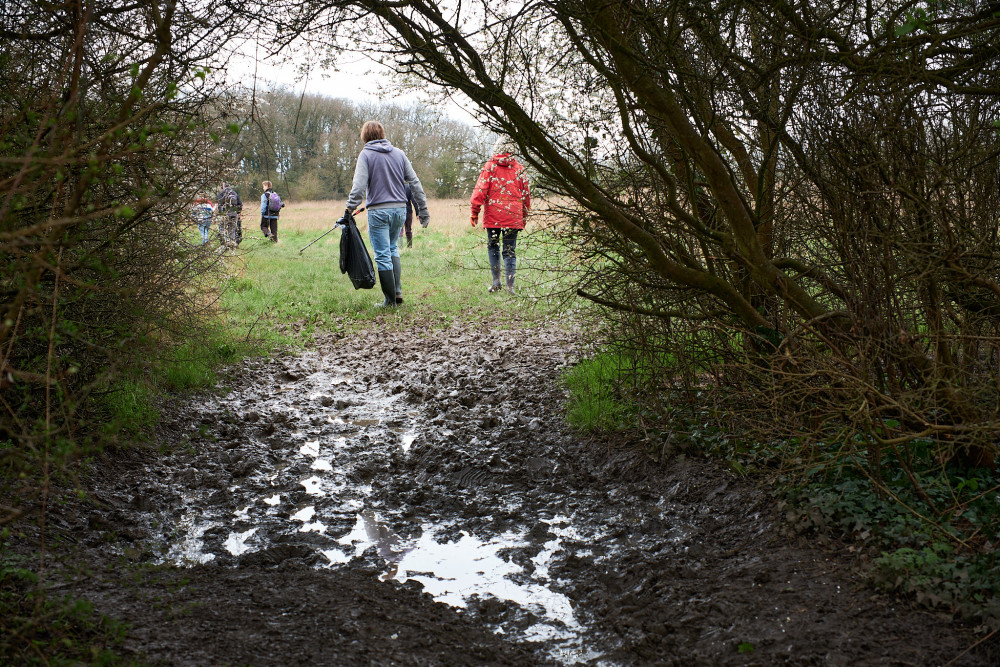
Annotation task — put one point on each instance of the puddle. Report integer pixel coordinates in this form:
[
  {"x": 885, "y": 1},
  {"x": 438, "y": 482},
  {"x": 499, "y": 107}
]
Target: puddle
[
  {"x": 336, "y": 556},
  {"x": 455, "y": 571},
  {"x": 190, "y": 550},
  {"x": 305, "y": 513},
  {"x": 313, "y": 485},
  {"x": 316, "y": 527},
  {"x": 236, "y": 543},
  {"x": 323, "y": 473}
]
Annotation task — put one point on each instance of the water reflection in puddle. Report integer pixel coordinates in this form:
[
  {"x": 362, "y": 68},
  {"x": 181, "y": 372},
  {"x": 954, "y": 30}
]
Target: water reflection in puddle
[
  {"x": 190, "y": 549},
  {"x": 313, "y": 485},
  {"x": 315, "y": 527},
  {"x": 305, "y": 513},
  {"x": 236, "y": 543},
  {"x": 454, "y": 571}
]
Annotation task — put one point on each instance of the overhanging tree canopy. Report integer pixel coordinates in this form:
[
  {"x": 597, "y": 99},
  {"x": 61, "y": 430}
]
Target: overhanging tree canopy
[{"x": 821, "y": 177}]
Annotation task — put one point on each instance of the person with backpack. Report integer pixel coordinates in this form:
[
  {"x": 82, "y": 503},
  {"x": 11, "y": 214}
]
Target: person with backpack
[
  {"x": 503, "y": 196},
  {"x": 270, "y": 207},
  {"x": 381, "y": 176},
  {"x": 202, "y": 212},
  {"x": 231, "y": 216}
]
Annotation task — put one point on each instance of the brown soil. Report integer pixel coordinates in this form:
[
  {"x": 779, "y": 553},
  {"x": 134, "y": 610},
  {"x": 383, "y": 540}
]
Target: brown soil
[{"x": 248, "y": 500}]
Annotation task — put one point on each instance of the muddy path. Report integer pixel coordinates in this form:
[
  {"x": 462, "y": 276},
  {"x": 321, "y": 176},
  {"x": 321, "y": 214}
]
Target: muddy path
[{"x": 414, "y": 497}]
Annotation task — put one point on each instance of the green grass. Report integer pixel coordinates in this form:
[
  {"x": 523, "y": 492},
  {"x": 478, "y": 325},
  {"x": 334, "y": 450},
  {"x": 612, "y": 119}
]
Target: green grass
[
  {"x": 612, "y": 389},
  {"x": 596, "y": 403},
  {"x": 276, "y": 297},
  {"x": 130, "y": 403},
  {"x": 130, "y": 406},
  {"x": 40, "y": 629},
  {"x": 444, "y": 279}
]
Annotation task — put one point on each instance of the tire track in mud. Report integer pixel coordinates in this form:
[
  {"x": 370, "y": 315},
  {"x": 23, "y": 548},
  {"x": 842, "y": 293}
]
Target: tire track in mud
[{"x": 435, "y": 463}]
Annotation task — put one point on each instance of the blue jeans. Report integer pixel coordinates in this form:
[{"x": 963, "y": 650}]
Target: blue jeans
[
  {"x": 383, "y": 231},
  {"x": 204, "y": 229}
]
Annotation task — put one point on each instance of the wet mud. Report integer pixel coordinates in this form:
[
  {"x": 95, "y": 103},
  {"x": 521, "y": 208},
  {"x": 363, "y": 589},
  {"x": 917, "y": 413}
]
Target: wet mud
[{"x": 415, "y": 497}]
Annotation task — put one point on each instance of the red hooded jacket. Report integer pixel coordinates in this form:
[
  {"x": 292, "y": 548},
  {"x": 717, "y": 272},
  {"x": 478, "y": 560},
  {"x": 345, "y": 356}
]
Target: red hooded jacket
[{"x": 502, "y": 193}]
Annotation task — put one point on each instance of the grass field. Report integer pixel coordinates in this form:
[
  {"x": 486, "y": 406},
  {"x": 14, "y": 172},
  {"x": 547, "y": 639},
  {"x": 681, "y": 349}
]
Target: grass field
[
  {"x": 445, "y": 274},
  {"x": 275, "y": 296}
]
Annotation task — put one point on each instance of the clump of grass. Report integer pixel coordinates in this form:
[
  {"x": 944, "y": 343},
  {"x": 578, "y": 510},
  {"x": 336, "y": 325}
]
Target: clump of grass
[
  {"x": 130, "y": 403},
  {"x": 39, "y": 629},
  {"x": 595, "y": 402}
]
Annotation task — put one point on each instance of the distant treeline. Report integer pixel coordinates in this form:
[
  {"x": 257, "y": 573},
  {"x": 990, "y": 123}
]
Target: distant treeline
[{"x": 308, "y": 144}]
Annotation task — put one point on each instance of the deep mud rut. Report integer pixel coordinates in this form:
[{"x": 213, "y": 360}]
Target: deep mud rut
[{"x": 414, "y": 497}]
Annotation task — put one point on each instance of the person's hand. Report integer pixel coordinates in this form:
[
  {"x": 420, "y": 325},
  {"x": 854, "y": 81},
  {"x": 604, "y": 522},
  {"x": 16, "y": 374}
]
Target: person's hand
[
  {"x": 425, "y": 220},
  {"x": 474, "y": 220}
]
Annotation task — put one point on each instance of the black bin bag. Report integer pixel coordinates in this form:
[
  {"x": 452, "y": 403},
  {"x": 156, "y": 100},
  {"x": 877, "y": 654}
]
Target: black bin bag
[{"x": 354, "y": 258}]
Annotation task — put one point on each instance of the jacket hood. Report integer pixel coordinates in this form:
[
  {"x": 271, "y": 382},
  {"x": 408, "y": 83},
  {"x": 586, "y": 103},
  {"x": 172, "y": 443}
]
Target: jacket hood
[
  {"x": 504, "y": 159},
  {"x": 379, "y": 145},
  {"x": 504, "y": 145}
]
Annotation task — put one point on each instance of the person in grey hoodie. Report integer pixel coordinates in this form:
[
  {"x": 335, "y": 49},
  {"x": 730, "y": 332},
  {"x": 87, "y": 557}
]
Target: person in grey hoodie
[{"x": 381, "y": 176}]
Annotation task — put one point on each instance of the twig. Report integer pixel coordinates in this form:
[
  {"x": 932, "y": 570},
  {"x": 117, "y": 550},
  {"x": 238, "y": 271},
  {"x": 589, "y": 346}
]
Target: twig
[
  {"x": 48, "y": 419},
  {"x": 952, "y": 661},
  {"x": 13, "y": 513},
  {"x": 250, "y": 330},
  {"x": 13, "y": 335}
]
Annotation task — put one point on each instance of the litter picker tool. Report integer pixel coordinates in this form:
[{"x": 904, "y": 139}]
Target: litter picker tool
[{"x": 336, "y": 226}]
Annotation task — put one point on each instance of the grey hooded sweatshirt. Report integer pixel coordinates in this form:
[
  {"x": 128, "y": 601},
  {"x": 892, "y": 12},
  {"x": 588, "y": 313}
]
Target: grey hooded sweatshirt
[{"x": 381, "y": 175}]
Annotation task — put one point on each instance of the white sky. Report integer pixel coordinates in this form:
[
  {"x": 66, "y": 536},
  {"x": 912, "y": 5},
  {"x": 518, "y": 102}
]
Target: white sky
[{"x": 357, "y": 79}]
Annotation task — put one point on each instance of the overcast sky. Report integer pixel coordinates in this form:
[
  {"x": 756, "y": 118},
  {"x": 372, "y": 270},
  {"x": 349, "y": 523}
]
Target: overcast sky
[{"x": 357, "y": 78}]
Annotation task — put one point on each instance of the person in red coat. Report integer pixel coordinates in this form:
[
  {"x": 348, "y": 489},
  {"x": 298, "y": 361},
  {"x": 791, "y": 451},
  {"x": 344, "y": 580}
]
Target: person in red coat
[{"x": 502, "y": 194}]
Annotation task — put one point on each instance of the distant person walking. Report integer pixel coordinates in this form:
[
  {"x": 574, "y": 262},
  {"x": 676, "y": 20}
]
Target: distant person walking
[
  {"x": 408, "y": 223},
  {"x": 502, "y": 194},
  {"x": 270, "y": 207},
  {"x": 381, "y": 176},
  {"x": 202, "y": 212},
  {"x": 231, "y": 215}
]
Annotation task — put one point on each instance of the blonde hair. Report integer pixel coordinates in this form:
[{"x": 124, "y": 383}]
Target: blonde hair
[
  {"x": 267, "y": 185},
  {"x": 372, "y": 130}
]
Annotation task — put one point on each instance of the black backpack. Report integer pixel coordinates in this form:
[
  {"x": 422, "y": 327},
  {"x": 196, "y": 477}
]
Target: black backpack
[{"x": 230, "y": 201}]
